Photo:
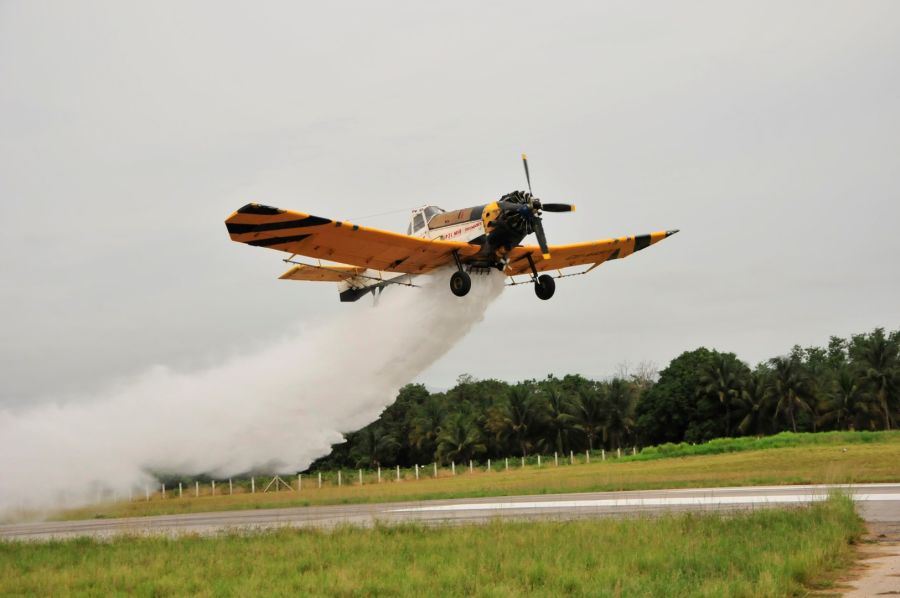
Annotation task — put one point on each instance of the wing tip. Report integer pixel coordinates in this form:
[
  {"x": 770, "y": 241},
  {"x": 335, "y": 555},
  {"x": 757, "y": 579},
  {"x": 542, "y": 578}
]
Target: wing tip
[{"x": 260, "y": 210}]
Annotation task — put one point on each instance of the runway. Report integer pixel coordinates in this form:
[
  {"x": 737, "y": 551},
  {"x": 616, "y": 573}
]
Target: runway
[{"x": 879, "y": 504}]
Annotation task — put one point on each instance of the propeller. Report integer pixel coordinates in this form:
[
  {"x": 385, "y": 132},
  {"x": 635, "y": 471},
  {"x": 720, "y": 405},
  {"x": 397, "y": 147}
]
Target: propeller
[
  {"x": 536, "y": 207},
  {"x": 558, "y": 207}
]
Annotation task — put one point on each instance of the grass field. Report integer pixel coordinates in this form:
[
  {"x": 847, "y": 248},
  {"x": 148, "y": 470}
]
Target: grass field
[
  {"x": 784, "y": 459},
  {"x": 762, "y": 553}
]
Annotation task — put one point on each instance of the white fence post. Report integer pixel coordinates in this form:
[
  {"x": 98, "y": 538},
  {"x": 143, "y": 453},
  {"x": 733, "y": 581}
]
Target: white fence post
[
  {"x": 633, "y": 451},
  {"x": 603, "y": 454},
  {"x": 398, "y": 473},
  {"x": 163, "y": 490},
  {"x": 360, "y": 477},
  {"x": 556, "y": 458},
  {"x": 213, "y": 487},
  {"x": 587, "y": 456},
  {"x": 379, "y": 474},
  {"x": 252, "y": 485},
  {"x": 453, "y": 467},
  {"x": 507, "y": 463},
  {"x": 299, "y": 482},
  {"x": 417, "y": 471},
  {"x": 320, "y": 479},
  {"x": 571, "y": 457},
  {"x": 147, "y": 491},
  {"x": 470, "y": 466},
  {"x": 180, "y": 494},
  {"x": 618, "y": 453},
  {"x": 230, "y": 487},
  {"x": 197, "y": 489},
  {"x": 339, "y": 477},
  {"x": 539, "y": 460},
  {"x": 489, "y": 465},
  {"x": 435, "y": 469},
  {"x": 523, "y": 462}
]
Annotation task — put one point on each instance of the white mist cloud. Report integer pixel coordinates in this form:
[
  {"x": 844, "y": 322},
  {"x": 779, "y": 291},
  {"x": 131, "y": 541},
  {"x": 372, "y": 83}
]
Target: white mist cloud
[{"x": 280, "y": 407}]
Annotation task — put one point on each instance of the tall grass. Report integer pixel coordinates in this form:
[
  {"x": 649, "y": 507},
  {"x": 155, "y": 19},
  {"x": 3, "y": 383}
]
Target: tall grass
[{"x": 761, "y": 553}]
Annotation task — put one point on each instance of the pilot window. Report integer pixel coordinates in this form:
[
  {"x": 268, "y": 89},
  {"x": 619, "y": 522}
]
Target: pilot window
[
  {"x": 419, "y": 222},
  {"x": 431, "y": 212}
]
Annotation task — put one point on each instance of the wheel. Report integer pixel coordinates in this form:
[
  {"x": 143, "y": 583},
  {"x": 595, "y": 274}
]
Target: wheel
[
  {"x": 460, "y": 283},
  {"x": 544, "y": 286}
]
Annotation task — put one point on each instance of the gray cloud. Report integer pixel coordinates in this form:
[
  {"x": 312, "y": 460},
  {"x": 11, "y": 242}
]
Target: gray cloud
[{"x": 768, "y": 132}]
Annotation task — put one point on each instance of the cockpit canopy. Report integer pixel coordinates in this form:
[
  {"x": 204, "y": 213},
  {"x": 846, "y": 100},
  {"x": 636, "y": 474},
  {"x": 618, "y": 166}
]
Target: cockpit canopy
[{"x": 418, "y": 221}]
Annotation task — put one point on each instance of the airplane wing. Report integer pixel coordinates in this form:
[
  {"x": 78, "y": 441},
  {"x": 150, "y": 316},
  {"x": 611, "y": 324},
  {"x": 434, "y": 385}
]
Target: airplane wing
[
  {"x": 580, "y": 254},
  {"x": 301, "y": 234}
]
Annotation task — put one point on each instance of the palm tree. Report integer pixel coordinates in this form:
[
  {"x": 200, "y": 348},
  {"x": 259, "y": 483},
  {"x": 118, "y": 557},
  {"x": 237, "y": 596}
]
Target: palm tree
[
  {"x": 514, "y": 418},
  {"x": 723, "y": 378},
  {"x": 589, "y": 412},
  {"x": 876, "y": 359},
  {"x": 372, "y": 446},
  {"x": 790, "y": 388},
  {"x": 460, "y": 439},
  {"x": 560, "y": 420},
  {"x": 618, "y": 419},
  {"x": 426, "y": 426},
  {"x": 753, "y": 404},
  {"x": 846, "y": 405}
]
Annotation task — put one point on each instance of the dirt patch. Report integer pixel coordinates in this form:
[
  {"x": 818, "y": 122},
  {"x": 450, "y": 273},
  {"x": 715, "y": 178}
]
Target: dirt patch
[{"x": 878, "y": 571}]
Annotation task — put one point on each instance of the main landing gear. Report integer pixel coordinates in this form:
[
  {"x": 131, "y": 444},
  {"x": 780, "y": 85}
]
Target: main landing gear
[
  {"x": 544, "y": 285},
  {"x": 460, "y": 283}
]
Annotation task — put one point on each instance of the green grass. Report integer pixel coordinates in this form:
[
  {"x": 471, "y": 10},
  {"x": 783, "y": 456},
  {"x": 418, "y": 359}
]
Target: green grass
[
  {"x": 761, "y": 553},
  {"x": 840, "y": 457},
  {"x": 750, "y": 443}
]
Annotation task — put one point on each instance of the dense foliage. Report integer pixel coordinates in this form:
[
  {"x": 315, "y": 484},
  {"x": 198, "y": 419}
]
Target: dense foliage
[{"x": 852, "y": 384}]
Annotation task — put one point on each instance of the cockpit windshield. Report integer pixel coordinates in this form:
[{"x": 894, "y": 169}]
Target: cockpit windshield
[
  {"x": 421, "y": 217},
  {"x": 432, "y": 211}
]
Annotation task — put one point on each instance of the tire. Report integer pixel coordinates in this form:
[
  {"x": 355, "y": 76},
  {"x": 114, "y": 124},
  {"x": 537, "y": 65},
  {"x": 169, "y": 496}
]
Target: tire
[
  {"x": 544, "y": 286},
  {"x": 460, "y": 283}
]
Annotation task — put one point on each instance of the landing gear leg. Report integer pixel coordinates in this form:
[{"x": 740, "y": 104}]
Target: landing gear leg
[
  {"x": 460, "y": 282},
  {"x": 544, "y": 285}
]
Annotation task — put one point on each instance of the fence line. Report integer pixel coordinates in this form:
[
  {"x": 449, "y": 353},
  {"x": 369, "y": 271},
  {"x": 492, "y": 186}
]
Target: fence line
[{"x": 336, "y": 478}]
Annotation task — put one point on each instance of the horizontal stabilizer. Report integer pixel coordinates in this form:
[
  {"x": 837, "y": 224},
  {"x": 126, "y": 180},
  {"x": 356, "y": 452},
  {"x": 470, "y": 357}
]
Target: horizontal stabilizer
[{"x": 321, "y": 273}]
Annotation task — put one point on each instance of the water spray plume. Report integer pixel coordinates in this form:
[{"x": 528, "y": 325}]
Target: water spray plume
[{"x": 279, "y": 408}]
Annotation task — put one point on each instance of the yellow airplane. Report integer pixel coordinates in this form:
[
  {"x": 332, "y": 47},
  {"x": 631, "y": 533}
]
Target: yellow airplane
[{"x": 477, "y": 239}]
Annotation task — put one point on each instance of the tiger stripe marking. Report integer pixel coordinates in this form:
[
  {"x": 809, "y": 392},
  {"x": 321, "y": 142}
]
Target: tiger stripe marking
[
  {"x": 322, "y": 238},
  {"x": 580, "y": 254}
]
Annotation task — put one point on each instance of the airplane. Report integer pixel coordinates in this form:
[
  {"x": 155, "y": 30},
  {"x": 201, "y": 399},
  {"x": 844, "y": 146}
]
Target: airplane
[{"x": 474, "y": 240}]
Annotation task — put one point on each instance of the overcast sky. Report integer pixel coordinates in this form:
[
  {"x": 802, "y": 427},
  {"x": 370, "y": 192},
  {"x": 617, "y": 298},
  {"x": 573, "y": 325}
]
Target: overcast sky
[{"x": 768, "y": 132}]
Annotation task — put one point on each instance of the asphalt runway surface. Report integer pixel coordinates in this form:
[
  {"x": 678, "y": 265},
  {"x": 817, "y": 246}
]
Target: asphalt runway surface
[{"x": 879, "y": 504}]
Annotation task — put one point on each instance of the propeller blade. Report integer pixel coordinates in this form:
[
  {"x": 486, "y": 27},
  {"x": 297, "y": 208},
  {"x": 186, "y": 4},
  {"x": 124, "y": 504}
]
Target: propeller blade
[
  {"x": 558, "y": 207},
  {"x": 527, "y": 175},
  {"x": 541, "y": 237}
]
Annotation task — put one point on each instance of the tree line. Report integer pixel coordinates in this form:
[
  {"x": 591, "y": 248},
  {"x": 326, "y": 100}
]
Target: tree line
[{"x": 851, "y": 384}]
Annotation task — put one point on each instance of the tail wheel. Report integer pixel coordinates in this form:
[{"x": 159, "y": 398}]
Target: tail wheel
[
  {"x": 460, "y": 283},
  {"x": 544, "y": 286}
]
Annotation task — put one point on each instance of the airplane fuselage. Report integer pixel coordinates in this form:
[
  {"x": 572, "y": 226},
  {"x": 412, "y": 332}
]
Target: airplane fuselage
[{"x": 497, "y": 227}]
